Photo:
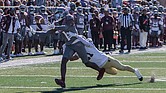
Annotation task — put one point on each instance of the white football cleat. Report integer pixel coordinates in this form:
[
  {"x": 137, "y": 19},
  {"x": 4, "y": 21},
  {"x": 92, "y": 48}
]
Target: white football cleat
[{"x": 138, "y": 74}]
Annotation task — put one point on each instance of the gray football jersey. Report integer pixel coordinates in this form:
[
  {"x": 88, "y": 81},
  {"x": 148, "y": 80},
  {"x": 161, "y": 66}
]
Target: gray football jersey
[{"x": 79, "y": 20}]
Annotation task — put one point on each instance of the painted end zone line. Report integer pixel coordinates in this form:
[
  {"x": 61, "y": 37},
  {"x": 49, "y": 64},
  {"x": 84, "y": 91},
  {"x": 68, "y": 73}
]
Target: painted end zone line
[{"x": 146, "y": 89}]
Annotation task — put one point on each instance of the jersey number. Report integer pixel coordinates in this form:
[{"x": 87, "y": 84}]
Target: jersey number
[{"x": 89, "y": 56}]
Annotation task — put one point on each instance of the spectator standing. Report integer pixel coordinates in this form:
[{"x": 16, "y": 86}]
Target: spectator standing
[
  {"x": 101, "y": 15},
  {"x": 95, "y": 29},
  {"x": 10, "y": 24},
  {"x": 116, "y": 30},
  {"x": 107, "y": 25},
  {"x": 144, "y": 29},
  {"x": 126, "y": 22}
]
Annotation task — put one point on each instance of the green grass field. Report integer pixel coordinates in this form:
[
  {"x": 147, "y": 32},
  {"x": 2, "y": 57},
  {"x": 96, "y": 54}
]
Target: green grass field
[{"x": 39, "y": 78}]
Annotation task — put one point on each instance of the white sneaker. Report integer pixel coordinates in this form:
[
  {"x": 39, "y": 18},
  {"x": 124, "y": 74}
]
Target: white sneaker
[
  {"x": 19, "y": 55},
  {"x": 42, "y": 53},
  {"x": 30, "y": 53},
  {"x": 37, "y": 53},
  {"x": 12, "y": 55},
  {"x": 56, "y": 51},
  {"x": 138, "y": 74}
]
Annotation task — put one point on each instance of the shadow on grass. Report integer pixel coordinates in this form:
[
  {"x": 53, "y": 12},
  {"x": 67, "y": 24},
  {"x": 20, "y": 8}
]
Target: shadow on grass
[{"x": 70, "y": 89}]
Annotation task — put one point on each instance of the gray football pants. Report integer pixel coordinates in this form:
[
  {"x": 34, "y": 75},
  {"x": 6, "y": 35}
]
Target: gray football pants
[{"x": 79, "y": 49}]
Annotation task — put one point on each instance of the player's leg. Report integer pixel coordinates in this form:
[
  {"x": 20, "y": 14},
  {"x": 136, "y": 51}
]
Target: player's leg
[
  {"x": 67, "y": 54},
  {"x": 118, "y": 65}
]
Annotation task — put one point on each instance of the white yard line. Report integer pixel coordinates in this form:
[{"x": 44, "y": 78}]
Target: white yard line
[
  {"x": 159, "y": 78},
  {"x": 130, "y": 61},
  {"x": 142, "y": 61},
  {"x": 78, "y": 68},
  {"x": 145, "y": 89},
  {"x": 71, "y": 76},
  {"x": 130, "y": 89}
]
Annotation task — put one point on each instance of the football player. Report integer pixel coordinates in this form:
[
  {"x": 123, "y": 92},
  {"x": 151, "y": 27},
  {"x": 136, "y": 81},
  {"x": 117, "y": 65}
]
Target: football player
[
  {"x": 41, "y": 33},
  {"x": 155, "y": 29},
  {"x": 72, "y": 46},
  {"x": 20, "y": 42},
  {"x": 32, "y": 24},
  {"x": 110, "y": 64},
  {"x": 135, "y": 35},
  {"x": 79, "y": 20}
]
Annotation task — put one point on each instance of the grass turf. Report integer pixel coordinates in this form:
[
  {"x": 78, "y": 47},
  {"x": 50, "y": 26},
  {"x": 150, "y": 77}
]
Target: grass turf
[{"x": 39, "y": 78}]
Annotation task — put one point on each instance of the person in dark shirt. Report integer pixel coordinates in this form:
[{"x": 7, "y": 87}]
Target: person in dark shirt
[
  {"x": 107, "y": 25},
  {"x": 95, "y": 29},
  {"x": 144, "y": 29}
]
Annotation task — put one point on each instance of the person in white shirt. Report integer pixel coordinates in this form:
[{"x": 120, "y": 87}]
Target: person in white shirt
[
  {"x": 10, "y": 25},
  {"x": 110, "y": 64}
]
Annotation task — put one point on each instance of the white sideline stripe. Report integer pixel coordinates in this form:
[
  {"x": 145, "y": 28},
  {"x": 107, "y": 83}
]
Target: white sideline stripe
[
  {"x": 146, "y": 89},
  {"x": 74, "y": 76},
  {"x": 77, "y": 68},
  {"x": 160, "y": 78},
  {"x": 143, "y": 61},
  {"x": 129, "y": 61}
]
